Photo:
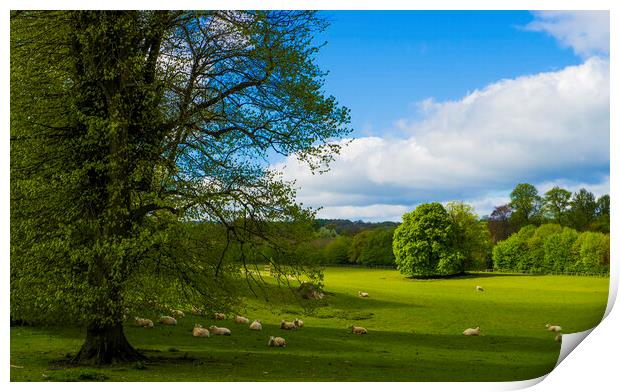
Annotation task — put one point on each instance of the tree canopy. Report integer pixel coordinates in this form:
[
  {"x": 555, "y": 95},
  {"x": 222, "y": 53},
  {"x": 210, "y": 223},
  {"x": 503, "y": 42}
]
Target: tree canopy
[
  {"x": 126, "y": 127},
  {"x": 424, "y": 243}
]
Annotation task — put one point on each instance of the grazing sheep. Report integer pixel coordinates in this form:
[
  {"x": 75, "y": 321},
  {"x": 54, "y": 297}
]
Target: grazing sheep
[
  {"x": 362, "y": 294},
  {"x": 472, "y": 331},
  {"x": 553, "y": 328},
  {"x": 141, "y": 322},
  {"x": 256, "y": 325},
  {"x": 241, "y": 320},
  {"x": 298, "y": 323},
  {"x": 219, "y": 330},
  {"x": 479, "y": 288},
  {"x": 359, "y": 330},
  {"x": 197, "y": 312},
  {"x": 177, "y": 313},
  {"x": 220, "y": 316},
  {"x": 167, "y": 320},
  {"x": 276, "y": 342},
  {"x": 200, "y": 332},
  {"x": 558, "y": 338},
  {"x": 287, "y": 325}
]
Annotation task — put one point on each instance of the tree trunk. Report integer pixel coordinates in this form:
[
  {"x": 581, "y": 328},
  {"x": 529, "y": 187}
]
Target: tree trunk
[{"x": 106, "y": 345}]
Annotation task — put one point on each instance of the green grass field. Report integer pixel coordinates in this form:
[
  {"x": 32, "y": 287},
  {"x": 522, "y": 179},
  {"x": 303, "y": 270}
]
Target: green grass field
[{"x": 414, "y": 334}]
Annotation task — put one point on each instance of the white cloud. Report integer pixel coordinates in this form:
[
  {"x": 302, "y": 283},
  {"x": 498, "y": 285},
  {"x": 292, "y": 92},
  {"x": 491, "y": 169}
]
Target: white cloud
[
  {"x": 587, "y": 32},
  {"x": 535, "y": 129}
]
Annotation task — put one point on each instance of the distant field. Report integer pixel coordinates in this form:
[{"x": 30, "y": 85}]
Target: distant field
[{"x": 414, "y": 334}]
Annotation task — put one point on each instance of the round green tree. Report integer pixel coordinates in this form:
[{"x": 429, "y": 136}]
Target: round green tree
[{"x": 424, "y": 243}]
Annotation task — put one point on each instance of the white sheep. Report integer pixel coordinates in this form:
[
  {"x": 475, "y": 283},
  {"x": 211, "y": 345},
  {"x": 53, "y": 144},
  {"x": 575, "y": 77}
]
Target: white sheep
[
  {"x": 177, "y": 313},
  {"x": 219, "y": 330},
  {"x": 146, "y": 323},
  {"x": 167, "y": 320},
  {"x": 362, "y": 294},
  {"x": 358, "y": 330},
  {"x": 558, "y": 338},
  {"x": 298, "y": 323},
  {"x": 220, "y": 316},
  {"x": 479, "y": 288},
  {"x": 472, "y": 331},
  {"x": 553, "y": 328},
  {"x": 241, "y": 319},
  {"x": 256, "y": 325},
  {"x": 200, "y": 332},
  {"x": 276, "y": 342},
  {"x": 287, "y": 325}
]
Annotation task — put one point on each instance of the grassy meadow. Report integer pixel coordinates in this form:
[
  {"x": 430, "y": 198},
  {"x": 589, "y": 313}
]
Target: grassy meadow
[{"x": 414, "y": 334}]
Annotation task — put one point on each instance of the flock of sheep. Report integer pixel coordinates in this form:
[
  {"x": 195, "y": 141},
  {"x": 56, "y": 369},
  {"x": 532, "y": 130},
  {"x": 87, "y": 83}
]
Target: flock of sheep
[
  {"x": 277, "y": 341},
  {"x": 551, "y": 328}
]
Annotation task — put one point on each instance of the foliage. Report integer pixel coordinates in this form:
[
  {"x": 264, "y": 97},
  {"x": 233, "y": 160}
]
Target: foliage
[
  {"x": 591, "y": 252},
  {"x": 358, "y": 244},
  {"x": 471, "y": 237},
  {"x": 378, "y": 248},
  {"x": 499, "y": 223},
  {"x": 556, "y": 204},
  {"x": 424, "y": 243},
  {"x": 337, "y": 251},
  {"x": 553, "y": 248},
  {"x": 126, "y": 127},
  {"x": 583, "y": 209},
  {"x": 533, "y": 260},
  {"x": 526, "y": 203},
  {"x": 558, "y": 250}
]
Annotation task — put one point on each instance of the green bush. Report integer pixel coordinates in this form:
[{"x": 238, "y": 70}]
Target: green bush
[
  {"x": 512, "y": 253},
  {"x": 591, "y": 253},
  {"x": 558, "y": 250},
  {"x": 534, "y": 259}
]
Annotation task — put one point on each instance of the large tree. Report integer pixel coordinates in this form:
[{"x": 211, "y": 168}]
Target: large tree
[
  {"x": 424, "y": 243},
  {"x": 556, "y": 204},
  {"x": 526, "y": 204},
  {"x": 582, "y": 209},
  {"x": 125, "y": 127},
  {"x": 471, "y": 236}
]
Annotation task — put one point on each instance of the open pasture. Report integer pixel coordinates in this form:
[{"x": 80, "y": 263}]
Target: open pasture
[{"x": 414, "y": 334}]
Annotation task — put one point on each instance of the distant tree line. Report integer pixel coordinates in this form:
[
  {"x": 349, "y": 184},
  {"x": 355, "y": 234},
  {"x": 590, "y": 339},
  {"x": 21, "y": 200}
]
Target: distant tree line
[
  {"x": 557, "y": 232},
  {"x": 551, "y": 248},
  {"x": 580, "y": 211}
]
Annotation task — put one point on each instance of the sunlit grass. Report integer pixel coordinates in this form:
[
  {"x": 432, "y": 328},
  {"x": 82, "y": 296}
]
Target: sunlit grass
[{"x": 415, "y": 334}]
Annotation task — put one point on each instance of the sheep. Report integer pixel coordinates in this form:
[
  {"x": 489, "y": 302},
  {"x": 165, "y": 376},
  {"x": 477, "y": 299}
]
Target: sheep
[
  {"x": 146, "y": 323},
  {"x": 167, "y": 320},
  {"x": 197, "y": 312},
  {"x": 362, "y": 294},
  {"x": 256, "y": 325},
  {"x": 241, "y": 320},
  {"x": 358, "y": 330},
  {"x": 298, "y": 323},
  {"x": 220, "y": 316},
  {"x": 219, "y": 330},
  {"x": 287, "y": 325},
  {"x": 479, "y": 288},
  {"x": 276, "y": 342},
  {"x": 200, "y": 332},
  {"x": 177, "y": 313},
  {"x": 472, "y": 331},
  {"x": 553, "y": 328},
  {"x": 558, "y": 338}
]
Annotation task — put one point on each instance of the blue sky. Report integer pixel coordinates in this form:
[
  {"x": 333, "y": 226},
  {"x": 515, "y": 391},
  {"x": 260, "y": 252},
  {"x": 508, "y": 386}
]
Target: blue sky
[
  {"x": 461, "y": 106},
  {"x": 382, "y": 62}
]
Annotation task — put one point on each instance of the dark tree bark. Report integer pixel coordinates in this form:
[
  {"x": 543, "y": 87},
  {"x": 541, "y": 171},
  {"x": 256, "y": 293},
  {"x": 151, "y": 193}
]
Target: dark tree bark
[{"x": 106, "y": 345}]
